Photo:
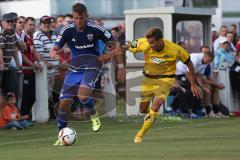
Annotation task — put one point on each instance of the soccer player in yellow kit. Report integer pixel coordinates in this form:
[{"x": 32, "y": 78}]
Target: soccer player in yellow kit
[{"x": 160, "y": 56}]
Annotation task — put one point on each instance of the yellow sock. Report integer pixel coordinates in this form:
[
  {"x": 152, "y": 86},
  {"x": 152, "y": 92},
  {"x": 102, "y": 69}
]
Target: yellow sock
[
  {"x": 148, "y": 121},
  {"x": 148, "y": 110}
]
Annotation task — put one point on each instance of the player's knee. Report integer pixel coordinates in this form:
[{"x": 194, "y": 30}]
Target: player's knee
[
  {"x": 83, "y": 98},
  {"x": 64, "y": 105}
]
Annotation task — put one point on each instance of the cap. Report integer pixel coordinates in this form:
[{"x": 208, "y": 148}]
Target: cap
[
  {"x": 223, "y": 40},
  {"x": 14, "y": 15},
  {"x": 7, "y": 17},
  {"x": 45, "y": 19},
  {"x": 9, "y": 94}
]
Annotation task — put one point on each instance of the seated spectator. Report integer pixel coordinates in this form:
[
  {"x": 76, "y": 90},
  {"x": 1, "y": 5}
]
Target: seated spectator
[
  {"x": 200, "y": 62},
  {"x": 10, "y": 117}
]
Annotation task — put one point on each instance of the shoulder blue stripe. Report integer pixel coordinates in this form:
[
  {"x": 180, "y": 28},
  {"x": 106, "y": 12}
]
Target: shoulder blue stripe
[
  {"x": 94, "y": 25},
  {"x": 66, "y": 27}
]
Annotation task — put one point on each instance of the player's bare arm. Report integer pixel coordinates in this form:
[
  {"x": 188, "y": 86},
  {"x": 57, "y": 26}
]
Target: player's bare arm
[{"x": 192, "y": 78}]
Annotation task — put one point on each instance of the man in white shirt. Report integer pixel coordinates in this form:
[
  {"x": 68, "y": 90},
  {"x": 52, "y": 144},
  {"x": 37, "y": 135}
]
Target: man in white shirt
[{"x": 222, "y": 33}]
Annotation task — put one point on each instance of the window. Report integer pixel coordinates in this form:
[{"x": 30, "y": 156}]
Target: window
[
  {"x": 191, "y": 33},
  {"x": 141, "y": 26}
]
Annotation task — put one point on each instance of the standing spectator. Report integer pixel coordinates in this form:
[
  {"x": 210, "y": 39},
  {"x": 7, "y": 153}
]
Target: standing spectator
[
  {"x": 116, "y": 34},
  {"x": 53, "y": 25},
  {"x": 68, "y": 19},
  {"x": 21, "y": 46},
  {"x": 29, "y": 58},
  {"x": 1, "y": 58},
  {"x": 222, "y": 33},
  {"x": 9, "y": 115},
  {"x": 10, "y": 77},
  {"x": 222, "y": 55},
  {"x": 59, "y": 20},
  {"x": 233, "y": 29},
  {"x": 231, "y": 48},
  {"x": 44, "y": 39}
]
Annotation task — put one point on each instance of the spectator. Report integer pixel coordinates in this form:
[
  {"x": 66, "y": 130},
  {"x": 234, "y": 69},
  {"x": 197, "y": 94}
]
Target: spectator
[
  {"x": 233, "y": 29},
  {"x": 10, "y": 77},
  {"x": 235, "y": 75},
  {"x": 222, "y": 33},
  {"x": 44, "y": 39},
  {"x": 222, "y": 55},
  {"x": 53, "y": 25},
  {"x": 200, "y": 62},
  {"x": 231, "y": 48},
  {"x": 59, "y": 20},
  {"x": 1, "y": 58},
  {"x": 10, "y": 117},
  {"x": 214, "y": 33},
  {"x": 68, "y": 19},
  {"x": 29, "y": 58},
  {"x": 194, "y": 43},
  {"x": 116, "y": 34}
]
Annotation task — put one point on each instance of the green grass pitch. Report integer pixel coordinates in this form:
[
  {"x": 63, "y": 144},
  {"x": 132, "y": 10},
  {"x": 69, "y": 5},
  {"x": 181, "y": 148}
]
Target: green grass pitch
[{"x": 204, "y": 139}]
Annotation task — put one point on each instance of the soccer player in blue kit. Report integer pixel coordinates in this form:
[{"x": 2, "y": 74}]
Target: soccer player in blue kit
[{"x": 85, "y": 63}]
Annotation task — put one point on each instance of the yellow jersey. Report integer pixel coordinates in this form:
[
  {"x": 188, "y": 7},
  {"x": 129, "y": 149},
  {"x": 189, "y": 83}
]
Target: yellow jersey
[{"x": 160, "y": 62}]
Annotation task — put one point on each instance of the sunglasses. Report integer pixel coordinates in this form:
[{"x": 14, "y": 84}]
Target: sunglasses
[
  {"x": 9, "y": 21},
  {"x": 20, "y": 22}
]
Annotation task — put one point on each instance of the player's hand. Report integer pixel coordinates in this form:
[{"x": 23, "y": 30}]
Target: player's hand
[
  {"x": 196, "y": 91},
  {"x": 64, "y": 65},
  {"x": 221, "y": 86},
  {"x": 105, "y": 57},
  {"x": 54, "y": 52},
  {"x": 49, "y": 65},
  {"x": 38, "y": 66},
  {"x": 121, "y": 74}
]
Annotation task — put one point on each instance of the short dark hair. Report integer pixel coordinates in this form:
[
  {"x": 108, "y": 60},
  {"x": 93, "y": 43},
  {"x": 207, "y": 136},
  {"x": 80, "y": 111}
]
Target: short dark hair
[
  {"x": 68, "y": 15},
  {"x": 79, "y": 8},
  {"x": 116, "y": 29},
  {"x": 209, "y": 54},
  {"x": 20, "y": 17},
  {"x": 234, "y": 25},
  {"x": 155, "y": 33},
  {"x": 223, "y": 26},
  {"x": 204, "y": 46},
  {"x": 229, "y": 32},
  {"x": 59, "y": 16},
  {"x": 29, "y": 19}
]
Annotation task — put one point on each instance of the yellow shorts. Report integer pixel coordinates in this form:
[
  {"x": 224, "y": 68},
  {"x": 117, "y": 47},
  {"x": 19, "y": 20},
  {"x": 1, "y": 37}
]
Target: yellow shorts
[{"x": 155, "y": 88}]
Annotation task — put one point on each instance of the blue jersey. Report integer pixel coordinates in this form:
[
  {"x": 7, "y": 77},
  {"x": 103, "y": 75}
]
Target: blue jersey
[{"x": 84, "y": 42}]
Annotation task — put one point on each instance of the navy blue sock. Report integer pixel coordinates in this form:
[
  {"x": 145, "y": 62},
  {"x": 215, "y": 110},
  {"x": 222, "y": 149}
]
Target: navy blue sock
[
  {"x": 90, "y": 105},
  {"x": 62, "y": 119}
]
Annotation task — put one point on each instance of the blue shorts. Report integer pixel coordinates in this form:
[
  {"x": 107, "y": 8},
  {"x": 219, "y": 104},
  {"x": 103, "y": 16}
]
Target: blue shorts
[{"x": 73, "y": 80}]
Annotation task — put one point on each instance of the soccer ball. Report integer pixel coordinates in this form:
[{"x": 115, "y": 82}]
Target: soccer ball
[{"x": 67, "y": 136}]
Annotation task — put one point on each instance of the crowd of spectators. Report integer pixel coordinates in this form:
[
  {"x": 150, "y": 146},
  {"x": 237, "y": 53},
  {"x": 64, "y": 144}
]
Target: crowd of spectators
[
  {"x": 25, "y": 47},
  {"x": 208, "y": 61}
]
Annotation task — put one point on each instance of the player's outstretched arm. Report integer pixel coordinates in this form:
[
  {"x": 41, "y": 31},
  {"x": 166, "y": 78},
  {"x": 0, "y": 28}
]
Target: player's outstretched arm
[{"x": 192, "y": 78}]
